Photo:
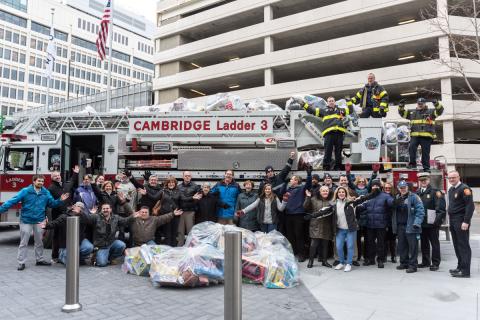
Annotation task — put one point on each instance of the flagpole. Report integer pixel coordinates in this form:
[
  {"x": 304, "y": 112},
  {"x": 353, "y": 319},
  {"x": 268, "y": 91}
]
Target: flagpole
[
  {"x": 109, "y": 77},
  {"x": 53, "y": 68}
]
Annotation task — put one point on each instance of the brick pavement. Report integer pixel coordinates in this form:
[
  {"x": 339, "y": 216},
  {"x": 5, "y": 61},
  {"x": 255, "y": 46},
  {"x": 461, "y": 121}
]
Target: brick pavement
[{"x": 107, "y": 293}]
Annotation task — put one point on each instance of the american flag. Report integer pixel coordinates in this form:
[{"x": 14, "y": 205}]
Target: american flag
[{"x": 103, "y": 33}]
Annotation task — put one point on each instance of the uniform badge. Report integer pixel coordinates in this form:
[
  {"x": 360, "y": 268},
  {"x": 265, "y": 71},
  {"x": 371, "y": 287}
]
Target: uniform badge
[
  {"x": 455, "y": 195},
  {"x": 428, "y": 196},
  {"x": 467, "y": 192}
]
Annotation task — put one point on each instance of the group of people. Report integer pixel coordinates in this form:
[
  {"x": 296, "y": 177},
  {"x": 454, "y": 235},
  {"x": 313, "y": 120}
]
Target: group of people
[{"x": 373, "y": 100}]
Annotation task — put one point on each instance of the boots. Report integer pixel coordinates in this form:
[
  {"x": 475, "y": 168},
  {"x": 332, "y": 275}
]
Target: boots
[
  {"x": 310, "y": 263},
  {"x": 326, "y": 264}
]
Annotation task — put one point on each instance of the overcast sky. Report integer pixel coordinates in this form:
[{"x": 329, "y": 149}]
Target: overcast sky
[{"x": 145, "y": 8}]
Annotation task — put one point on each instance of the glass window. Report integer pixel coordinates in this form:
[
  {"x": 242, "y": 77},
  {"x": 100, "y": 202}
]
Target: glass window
[
  {"x": 16, "y": 38},
  {"x": 6, "y": 72},
  {"x": 2, "y": 33},
  {"x": 40, "y": 45},
  {"x": 82, "y": 74},
  {"x": 32, "y": 61},
  {"x": 64, "y": 69},
  {"x": 13, "y": 93},
  {"x": 38, "y": 62},
  {"x": 5, "y": 92},
  {"x": 8, "y": 35},
  {"x": 44, "y": 81},
  {"x": 83, "y": 24},
  {"x": 37, "y": 97},
  {"x": 79, "y": 23},
  {"x": 14, "y": 56},
  {"x": 23, "y": 40},
  {"x": 21, "y": 76},
  {"x": 54, "y": 159},
  {"x": 84, "y": 58},
  {"x": 7, "y": 54},
  {"x": 59, "y": 51},
  {"x": 1, "y": 53},
  {"x": 22, "y": 58},
  {"x": 88, "y": 25},
  {"x": 14, "y": 74},
  {"x": 88, "y": 76},
  {"x": 20, "y": 94},
  {"x": 33, "y": 43},
  {"x": 11, "y": 18},
  {"x": 77, "y": 73},
  {"x": 89, "y": 60},
  {"x": 31, "y": 78},
  {"x": 57, "y": 84},
  {"x": 65, "y": 53},
  {"x": 38, "y": 80},
  {"x": 143, "y": 63},
  {"x": 63, "y": 85},
  {"x": 44, "y": 99},
  {"x": 30, "y": 96},
  {"x": 19, "y": 159}
]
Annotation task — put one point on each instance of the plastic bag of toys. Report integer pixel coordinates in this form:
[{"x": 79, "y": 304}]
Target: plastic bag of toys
[
  {"x": 225, "y": 101},
  {"x": 205, "y": 233}
]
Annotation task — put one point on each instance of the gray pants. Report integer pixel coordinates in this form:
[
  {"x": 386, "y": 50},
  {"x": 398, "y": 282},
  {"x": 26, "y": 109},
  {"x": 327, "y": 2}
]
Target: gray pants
[
  {"x": 185, "y": 225},
  {"x": 25, "y": 232}
]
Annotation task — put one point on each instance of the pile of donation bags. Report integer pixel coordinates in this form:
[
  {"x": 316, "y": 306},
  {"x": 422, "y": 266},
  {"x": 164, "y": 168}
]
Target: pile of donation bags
[{"x": 266, "y": 259}]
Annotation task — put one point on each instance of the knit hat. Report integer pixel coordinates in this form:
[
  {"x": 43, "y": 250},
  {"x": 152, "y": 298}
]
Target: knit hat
[
  {"x": 268, "y": 168},
  {"x": 326, "y": 175},
  {"x": 377, "y": 183},
  {"x": 79, "y": 204},
  {"x": 316, "y": 177}
]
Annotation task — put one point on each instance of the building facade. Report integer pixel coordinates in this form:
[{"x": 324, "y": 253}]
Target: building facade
[
  {"x": 78, "y": 71},
  {"x": 273, "y": 49}
]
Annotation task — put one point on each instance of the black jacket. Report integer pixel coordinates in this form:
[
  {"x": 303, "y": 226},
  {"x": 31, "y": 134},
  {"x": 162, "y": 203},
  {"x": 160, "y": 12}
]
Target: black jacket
[
  {"x": 103, "y": 197},
  {"x": 278, "y": 181},
  {"x": 433, "y": 200},
  {"x": 460, "y": 203},
  {"x": 153, "y": 194},
  {"x": 171, "y": 199},
  {"x": 60, "y": 226},
  {"x": 104, "y": 232},
  {"x": 187, "y": 191},
  {"x": 207, "y": 208},
  {"x": 57, "y": 190}
]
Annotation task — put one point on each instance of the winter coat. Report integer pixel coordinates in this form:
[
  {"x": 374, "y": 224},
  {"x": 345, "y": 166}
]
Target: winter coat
[
  {"x": 153, "y": 194},
  {"x": 297, "y": 197},
  {"x": 57, "y": 189},
  {"x": 171, "y": 199},
  {"x": 104, "y": 197},
  {"x": 130, "y": 193},
  {"x": 433, "y": 200},
  {"x": 144, "y": 230},
  {"x": 415, "y": 214},
  {"x": 376, "y": 210},
  {"x": 248, "y": 220},
  {"x": 86, "y": 195},
  {"x": 228, "y": 194},
  {"x": 187, "y": 191},
  {"x": 207, "y": 208},
  {"x": 358, "y": 191},
  {"x": 33, "y": 204},
  {"x": 60, "y": 226},
  {"x": 278, "y": 181},
  {"x": 104, "y": 232},
  {"x": 319, "y": 228}
]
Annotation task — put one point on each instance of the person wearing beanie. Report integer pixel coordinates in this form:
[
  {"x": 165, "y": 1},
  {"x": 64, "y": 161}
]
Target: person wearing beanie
[
  {"x": 315, "y": 183},
  {"x": 376, "y": 213},
  {"x": 328, "y": 181}
]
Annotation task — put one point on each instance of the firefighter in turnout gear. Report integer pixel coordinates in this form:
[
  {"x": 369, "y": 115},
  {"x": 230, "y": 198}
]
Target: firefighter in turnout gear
[
  {"x": 422, "y": 121},
  {"x": 333, "y": 130},
  {"x": 372, "y": 98}
]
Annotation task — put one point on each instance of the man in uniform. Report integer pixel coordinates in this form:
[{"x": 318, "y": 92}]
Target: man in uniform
[
  {"x": 373, "y": 99},
  {"x": 422, "y": 121},
  {"x": 434, "y": 205},
  {"x": 333, "y": 131},
  {"x": 460, "y": 211}
]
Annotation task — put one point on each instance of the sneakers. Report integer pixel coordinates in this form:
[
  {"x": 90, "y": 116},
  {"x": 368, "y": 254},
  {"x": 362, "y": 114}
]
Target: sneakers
[
  {"x": 348, "y": 268},
  {"x": 335, "y": 263},
  {"x": 21, "y": 267},
  {"x": 43, "y": 263},
  {"x": 339, "y": 266},
  {"x": 356, "y": 263}
]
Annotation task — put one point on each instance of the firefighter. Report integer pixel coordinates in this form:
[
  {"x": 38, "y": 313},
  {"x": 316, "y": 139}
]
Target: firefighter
[
  {"x": 422, "y": 121},
  {"x": 433, "y": 203},
  {"x": 460, "y": 211},
  {"x": 373, "y": 99},
  {"x": 333, "y": 130}
]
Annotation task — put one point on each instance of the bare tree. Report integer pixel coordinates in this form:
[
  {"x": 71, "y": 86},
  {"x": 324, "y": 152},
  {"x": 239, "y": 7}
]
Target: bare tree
[{"x": 464, "y": 43}]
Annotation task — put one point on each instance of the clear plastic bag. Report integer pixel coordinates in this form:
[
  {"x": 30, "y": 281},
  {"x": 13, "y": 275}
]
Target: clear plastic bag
[
  {"x": 403, "y": 134},
  {"x": 297, "y": 102},
  {"x": 313, "y": 158},
  {"x": 262, "y": 105},
  {"x": 205, "y": 233},
  {"x": 164, "y": 270},
  {"x": 225, "y": 101},
  {"x": 249, "y": 241},
  {"x": 282, "y": 269},
  {"x": 183, "y": 104},
  {"x": 273, "y": 238},
  {"x": 138, "y": 259},
  {"x": 390, "y": 133}
]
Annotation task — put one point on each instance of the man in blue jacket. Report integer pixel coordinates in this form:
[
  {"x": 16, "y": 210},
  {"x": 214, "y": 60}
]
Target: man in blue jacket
[
  {"x": 228, "y": 191},
  {"x": 35, "y": 199},
  {"x": 406, "y": 223}
]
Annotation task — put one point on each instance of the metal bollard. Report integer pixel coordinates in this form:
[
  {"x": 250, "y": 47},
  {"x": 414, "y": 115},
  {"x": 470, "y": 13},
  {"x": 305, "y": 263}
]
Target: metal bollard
[
  {"x": 233, "y": 276},
  {"x": 73, "y": 261}
]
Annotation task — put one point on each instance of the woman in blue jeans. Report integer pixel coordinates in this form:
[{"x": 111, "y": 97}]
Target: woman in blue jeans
[{"x": 345, "y": 224}]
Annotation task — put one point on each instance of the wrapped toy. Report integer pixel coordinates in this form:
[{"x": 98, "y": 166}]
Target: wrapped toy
[
  {"x": 138, "y": 259},
  {"x": 164, "y": 270},
  {"x": 254, "y": 265},
  {"x": 313, "y": 158},
  {"x": 282, "y": 269}
]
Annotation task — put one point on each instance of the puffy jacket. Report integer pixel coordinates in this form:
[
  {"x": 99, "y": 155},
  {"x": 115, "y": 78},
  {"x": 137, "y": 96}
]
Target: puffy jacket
[
  {"x": 422, "y": 122},
  {"x": 171, "y": 199},
  {"x": 249, "y": 220},
  {"x": 57, "y": 189},
  {"x": 278, "y": 181},
  {"x": 207, "y": 208},
  {"x": 187, "y": 191},
  {"x": 374, "y": 96},
  {"x": 415, "y": 214},
  {"x": 319, "y": 228},
  {"x": 33, "y": 204},
  {"x": 228, "y": 194},
  {"x": 102, "y": 235},
  {"x": 433, "y": 199},
  {"x": 85, "y": 194},
  {"x": 332, "y": 118},
  {"x": 111, "y": 198},
  {"x": 297, "y": 197},
  {"x": 376, "y": 210}
]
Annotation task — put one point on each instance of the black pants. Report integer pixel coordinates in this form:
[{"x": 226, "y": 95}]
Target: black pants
[
  {"x": 319, "y": 244},
  {"x": 425, "y": 143},
  {"x": 407, "y": 247},
  {"x": 376, "y": 248},
  {"x": 461, "y": 245},
  {"x": 429, "y": 237},
  {"x": 361, "y": 246},
  {"x": 333, "y": 140},
  {"x": 390, "y": 243},
  {"x": 296, "y": 232}
]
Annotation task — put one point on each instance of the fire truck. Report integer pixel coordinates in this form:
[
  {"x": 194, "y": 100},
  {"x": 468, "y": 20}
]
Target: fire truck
[{"x": 167, "y": 143}]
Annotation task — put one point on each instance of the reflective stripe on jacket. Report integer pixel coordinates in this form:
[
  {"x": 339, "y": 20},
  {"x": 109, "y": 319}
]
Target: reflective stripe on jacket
[
  {"x": 422, "y": 121},
  {"x": 379, "y": 99},
  {"x": 332, "y": 118}
]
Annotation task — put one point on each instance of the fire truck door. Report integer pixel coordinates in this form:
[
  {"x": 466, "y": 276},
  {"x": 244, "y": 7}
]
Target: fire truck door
[{"x": 65, "y": 155}]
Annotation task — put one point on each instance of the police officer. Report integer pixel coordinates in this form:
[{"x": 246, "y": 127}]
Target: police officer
[
  {"x": 460, "y": 211},
  {"x": 422, "y": 121},
  {"x": 373, "y": 99},
  {"x": 434, "y": 205},
  {"x": 333, "y": 131}
]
